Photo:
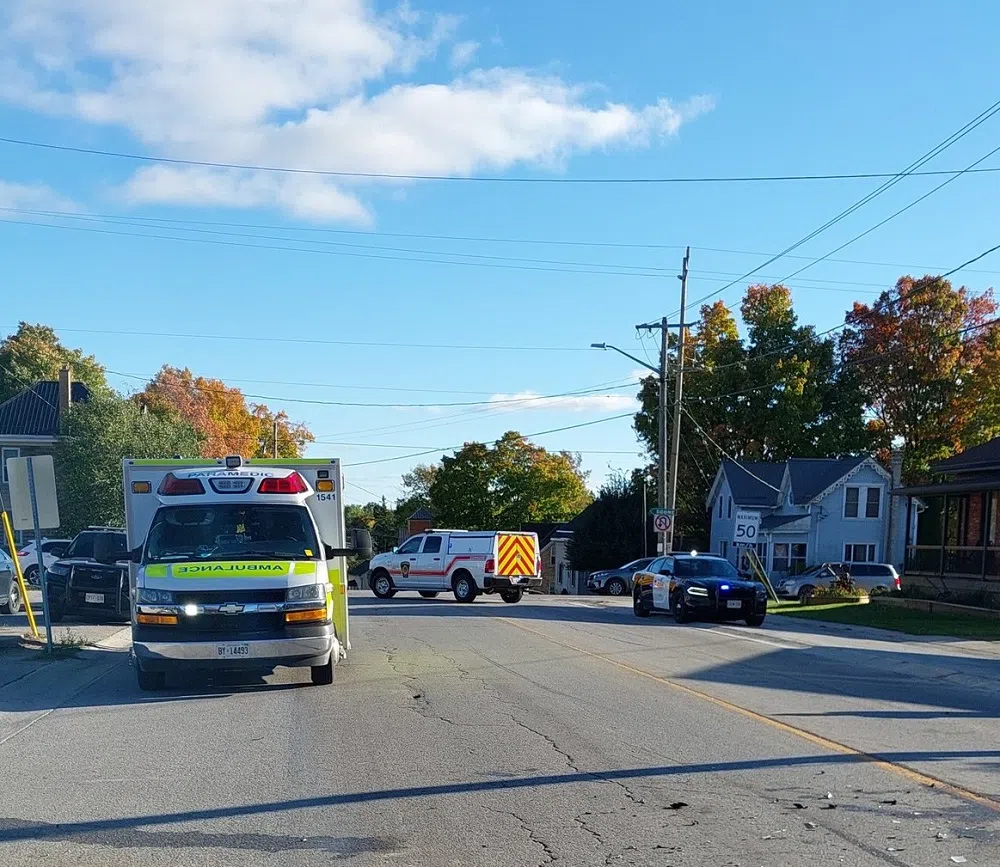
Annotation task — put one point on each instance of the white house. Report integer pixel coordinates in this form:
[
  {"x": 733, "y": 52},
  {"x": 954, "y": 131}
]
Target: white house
[{"x": 813, "y": 510}]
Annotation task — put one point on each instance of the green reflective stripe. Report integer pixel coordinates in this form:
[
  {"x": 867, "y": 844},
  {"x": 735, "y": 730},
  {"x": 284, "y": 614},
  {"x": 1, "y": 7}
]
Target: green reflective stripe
[
  {"x": 155, "y": 571},
  {"x": 303, "y": 568},
  {"x": 172, "y": 462},
  {"x": 299, "y": 462}
]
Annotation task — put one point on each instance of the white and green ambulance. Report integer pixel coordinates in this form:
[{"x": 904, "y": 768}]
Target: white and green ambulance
[{"x": 237, "y": 564}]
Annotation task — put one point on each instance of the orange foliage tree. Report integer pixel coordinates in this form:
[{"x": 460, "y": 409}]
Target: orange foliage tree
[{"x": 226, "y": 424}]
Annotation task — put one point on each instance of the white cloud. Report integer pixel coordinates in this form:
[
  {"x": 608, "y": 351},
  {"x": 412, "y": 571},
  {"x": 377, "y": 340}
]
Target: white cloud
[
  {"x": 37, "y": 197},
  {"x": 463, "y": 53},
  {"x": 299, "y": 83},
  {"x": 570, "y": 403}
]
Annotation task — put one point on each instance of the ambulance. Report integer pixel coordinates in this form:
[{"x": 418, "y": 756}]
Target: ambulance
[{"x": 237, "y": 564}]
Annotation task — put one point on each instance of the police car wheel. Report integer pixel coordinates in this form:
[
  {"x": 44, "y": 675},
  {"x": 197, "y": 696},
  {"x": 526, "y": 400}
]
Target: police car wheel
[
  {"x": 639, "y": 607},
  {"x": 755, "y": 620},
  {"x": 429, "y": 594},
  {"x": 322, "y": 675},
  {"x": 382, "y": 585},
  {"x": 681, "y": 614}
]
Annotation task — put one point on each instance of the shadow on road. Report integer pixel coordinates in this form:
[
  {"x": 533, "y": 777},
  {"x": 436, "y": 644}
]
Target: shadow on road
[{"x": 101, "y": 830}]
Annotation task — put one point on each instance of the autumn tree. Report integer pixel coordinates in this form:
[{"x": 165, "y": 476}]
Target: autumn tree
[
  {"x": 34, "y": 353},
  {"x": 225, "y": 423},
  {"x": 96, "y": 436},
  {"x": 928, "y": 364},
  {"x": 506, "y": 485}
]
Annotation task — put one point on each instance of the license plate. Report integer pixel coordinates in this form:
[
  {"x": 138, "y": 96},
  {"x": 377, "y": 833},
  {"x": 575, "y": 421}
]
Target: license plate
[
  {"x": 733, "y": 603},
  {"x": 95, "y": 598},
  {"x": 233, "y": 651}
]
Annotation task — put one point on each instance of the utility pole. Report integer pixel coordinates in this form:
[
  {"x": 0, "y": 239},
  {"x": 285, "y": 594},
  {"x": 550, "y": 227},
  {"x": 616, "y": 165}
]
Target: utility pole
[{"x": 675, "y": 440}]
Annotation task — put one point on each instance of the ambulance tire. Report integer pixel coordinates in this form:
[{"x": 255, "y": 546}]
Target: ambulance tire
[
  {"x": 464, "y": 587},
  {"x": 322, "y": 675},
  {"x": 382, "y": 585},
  {"x": 150, "y": 681},
  {"x": 511, "y": 596},
  {"x": 429, "y": 594}
]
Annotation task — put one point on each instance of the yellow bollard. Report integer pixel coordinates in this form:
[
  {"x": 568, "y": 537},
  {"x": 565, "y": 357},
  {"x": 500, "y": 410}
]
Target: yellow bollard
[{"x": 9, "y": 533}]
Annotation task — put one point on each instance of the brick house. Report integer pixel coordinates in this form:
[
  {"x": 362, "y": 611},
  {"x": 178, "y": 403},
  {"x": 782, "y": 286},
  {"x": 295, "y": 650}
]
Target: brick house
[{"x": 30, "y": 421}]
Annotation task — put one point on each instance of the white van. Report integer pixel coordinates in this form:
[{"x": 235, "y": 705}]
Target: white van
[{"x": 466, "y": 562}]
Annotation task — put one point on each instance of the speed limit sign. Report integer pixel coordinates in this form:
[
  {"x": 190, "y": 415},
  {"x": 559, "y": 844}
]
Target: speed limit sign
[
  {"x": 746, "y": 527},
  {"x": 661, "y": 523}
]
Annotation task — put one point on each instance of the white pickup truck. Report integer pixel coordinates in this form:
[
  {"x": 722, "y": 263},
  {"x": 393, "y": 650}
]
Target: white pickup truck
[{"x": 466, "y": 562}]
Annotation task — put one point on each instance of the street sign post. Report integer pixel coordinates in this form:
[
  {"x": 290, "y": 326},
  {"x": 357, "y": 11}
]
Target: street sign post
[
  {"x": 33, "y": 501},
  {"x": 663, "y": 523},
  {"x": 746, "y": 528}
]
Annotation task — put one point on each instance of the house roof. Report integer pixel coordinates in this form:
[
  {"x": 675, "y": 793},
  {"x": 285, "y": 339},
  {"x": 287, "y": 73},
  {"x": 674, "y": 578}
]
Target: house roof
[
  {"x": 750, "y": 491},
  {"x": 422, "y": 514},
  {"x": 35, "y": 411},
  {"x": 773, "y": 522},
  {"x": 812, "y": 476},
  {"x": 986, "y": 456},
  {"x": 546, "y": 530}
]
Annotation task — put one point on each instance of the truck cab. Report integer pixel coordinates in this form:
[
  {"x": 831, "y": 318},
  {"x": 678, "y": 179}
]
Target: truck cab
[{"x": 237, "y": 565}]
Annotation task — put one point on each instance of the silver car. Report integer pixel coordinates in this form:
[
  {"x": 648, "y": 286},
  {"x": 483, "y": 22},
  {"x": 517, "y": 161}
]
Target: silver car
[
  {"x": 866, "y": 576},
  {"x": 617, "y": 582}
]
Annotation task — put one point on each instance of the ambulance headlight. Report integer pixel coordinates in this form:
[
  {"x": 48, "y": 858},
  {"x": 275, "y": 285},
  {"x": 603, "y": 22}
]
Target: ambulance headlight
[
  {"x": 306, "y": 593},
  {"x": 148, "y": 596}
]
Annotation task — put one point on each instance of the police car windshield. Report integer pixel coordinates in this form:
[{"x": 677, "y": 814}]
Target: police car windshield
[
  {"x": 704, "y": 567},
  {"x": 225, "y": 531}
]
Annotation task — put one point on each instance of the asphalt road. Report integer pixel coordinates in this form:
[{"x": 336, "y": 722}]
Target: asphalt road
[{"x": 490, "y": 734}]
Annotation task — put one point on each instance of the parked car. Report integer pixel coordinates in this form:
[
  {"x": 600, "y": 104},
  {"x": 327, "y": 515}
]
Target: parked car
[
  {"x": 10, "y": 593},
  {"x": 866, "y": 576},
  {"x": 616, "y": 582},
  {"x": 52, "y": 550},
  {"x": 80, "y": 583},
  {"x": 692, "y": 586}
]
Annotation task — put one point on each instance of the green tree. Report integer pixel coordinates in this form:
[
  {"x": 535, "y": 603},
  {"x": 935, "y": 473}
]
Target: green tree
[
  {"x": 378, "y": 519},
  {"x": 610, "y": 532},
  {"x": 96, "y": 436},
  {"x": 34, "y": 353},
  {"x": 928, "y": 365},
  {"x": 505, "y": 486}
]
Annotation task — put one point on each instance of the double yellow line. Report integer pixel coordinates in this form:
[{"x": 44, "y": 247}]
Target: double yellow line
[{"x": 817, "y": 740}]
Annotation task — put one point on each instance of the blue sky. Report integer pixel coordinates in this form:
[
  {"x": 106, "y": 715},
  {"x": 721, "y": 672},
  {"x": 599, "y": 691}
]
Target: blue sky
[{"x": 552, "y": 89}]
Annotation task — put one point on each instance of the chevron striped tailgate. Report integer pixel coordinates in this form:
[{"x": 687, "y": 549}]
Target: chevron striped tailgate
[{"x": 516, "y": 555}]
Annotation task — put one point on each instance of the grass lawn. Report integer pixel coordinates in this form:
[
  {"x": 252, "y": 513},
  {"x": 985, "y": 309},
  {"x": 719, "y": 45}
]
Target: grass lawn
[{"x": 900, "y": 619}]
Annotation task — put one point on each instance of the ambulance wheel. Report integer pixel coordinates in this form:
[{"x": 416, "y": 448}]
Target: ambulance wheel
[
  {"x": 429, "y": 594},
  {"x": 150, "y": 681},
  {"x": 322, "y": 675},
  {"x": 511, "y": 596},
  {"x": 464, "y": 587},
  {"x": 382, "y": 585}
]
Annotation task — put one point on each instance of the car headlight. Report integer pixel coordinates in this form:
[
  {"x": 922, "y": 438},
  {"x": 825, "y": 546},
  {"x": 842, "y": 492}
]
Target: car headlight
[
  {"x": 149, "y": 596},
  {"x": 306, "y": 593},
  {"x": 58, "y": 569},
  {"x": 696, "y": 591}
]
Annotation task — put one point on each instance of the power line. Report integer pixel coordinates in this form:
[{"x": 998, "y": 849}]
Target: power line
[
  {"x": 494, "y": 442},
  {"x": 726, "y": 454},
  {"x": 907, "y": 172},
  {"x": 314, "y": 341},
  {"x": 635, "y": 451},
  {"x": 466, "y": 178},
  {"x": 272, "y": 397}
]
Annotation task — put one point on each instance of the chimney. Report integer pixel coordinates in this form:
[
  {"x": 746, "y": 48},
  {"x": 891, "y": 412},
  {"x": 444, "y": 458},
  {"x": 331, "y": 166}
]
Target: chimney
[
  {"x": 896, "y": 467},
  {"x": 65, "y": 392}
]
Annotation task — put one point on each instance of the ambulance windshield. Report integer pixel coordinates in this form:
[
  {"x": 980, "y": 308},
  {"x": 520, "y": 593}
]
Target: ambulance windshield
[{"x": 224, "y": 531}]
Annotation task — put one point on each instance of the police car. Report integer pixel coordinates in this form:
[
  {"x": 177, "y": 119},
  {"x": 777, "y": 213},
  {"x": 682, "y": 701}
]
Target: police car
[{"x": 694, "y": 585}]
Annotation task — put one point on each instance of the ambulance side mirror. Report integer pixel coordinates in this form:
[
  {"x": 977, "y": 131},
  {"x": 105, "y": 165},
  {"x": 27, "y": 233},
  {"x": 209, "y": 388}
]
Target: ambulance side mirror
[{"x": 361, "y": 541}]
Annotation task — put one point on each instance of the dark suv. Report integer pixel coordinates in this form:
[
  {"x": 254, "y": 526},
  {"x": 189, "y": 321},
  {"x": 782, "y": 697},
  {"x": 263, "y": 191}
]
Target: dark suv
[{"x": 81, "y": 585}]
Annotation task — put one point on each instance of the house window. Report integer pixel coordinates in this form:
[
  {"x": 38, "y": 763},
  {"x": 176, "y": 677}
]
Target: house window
[
  {"x": 851, "y": 496},
  {"x": 724, "y": 548},
  {"x": 855, "y": 496},
  {"x": 8, "y": 453},
  {"x": 873, "y": 505},
  {"x": 720, "y": 505},
  {"x": 729, "y": 511},
  {"x": 859, "y": 553},
  {"x": 789, "y": 557}
]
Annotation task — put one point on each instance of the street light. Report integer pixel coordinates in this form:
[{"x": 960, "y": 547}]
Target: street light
[{"x": 606, "y": 346}]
